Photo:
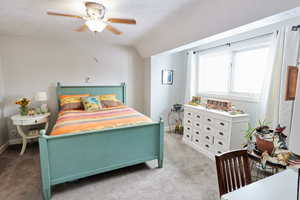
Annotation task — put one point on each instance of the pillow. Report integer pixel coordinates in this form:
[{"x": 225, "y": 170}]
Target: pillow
[
  {"x": 111, "y": 97},
  {"x": 72, "y": 102},
  {"x": 91, "y": 103},
  {"x": 110, "y": 101}
]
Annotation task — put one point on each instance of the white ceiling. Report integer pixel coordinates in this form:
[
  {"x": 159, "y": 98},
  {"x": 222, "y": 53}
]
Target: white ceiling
[{"x": 28, "y": 18}]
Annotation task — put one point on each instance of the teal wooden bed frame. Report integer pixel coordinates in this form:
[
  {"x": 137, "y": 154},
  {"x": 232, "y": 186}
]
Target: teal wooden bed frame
[{"x": 73, "y": 156}]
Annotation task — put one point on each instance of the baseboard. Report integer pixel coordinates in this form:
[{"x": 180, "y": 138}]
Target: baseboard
[{"x": 3, "y": 147}]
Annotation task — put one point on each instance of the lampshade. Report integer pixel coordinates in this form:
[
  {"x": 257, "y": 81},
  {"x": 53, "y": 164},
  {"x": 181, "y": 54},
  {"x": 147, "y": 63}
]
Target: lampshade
[
  {"x": 41, "y": 96},
  {"x": 95, "y": 25}
]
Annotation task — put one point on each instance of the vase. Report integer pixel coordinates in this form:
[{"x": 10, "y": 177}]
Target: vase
[{"x": 23, "y": 110}]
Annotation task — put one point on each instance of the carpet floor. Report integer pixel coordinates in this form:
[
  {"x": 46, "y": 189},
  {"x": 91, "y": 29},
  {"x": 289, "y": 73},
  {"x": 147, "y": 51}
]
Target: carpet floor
[{"x": 186, "y": 175}]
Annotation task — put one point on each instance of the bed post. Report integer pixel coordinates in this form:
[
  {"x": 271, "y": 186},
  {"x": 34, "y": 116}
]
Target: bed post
[
  {"x": 58, "y": 94},
  {"x": 161, "y": 143},
  {"x": 45, "y": 168},
  {"x": 123, "y": 84}
]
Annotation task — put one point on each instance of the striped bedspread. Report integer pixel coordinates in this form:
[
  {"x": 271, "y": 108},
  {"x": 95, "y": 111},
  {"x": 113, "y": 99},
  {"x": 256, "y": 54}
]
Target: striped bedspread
[{"x": 74, "y": 121}]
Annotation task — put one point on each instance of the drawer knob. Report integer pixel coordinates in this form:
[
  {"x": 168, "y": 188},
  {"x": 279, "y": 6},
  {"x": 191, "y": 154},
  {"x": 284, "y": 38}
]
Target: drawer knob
[
  {"x": 189, "y": 113},
  {"x": 222, "y": 124},
  {"x": 189, "y": 121},
  {"x": 220, "y": 143},
  {"x": 197, "y": 124},
  {"x": 35, "y": 121},
  {"x": 209, "y": 120},
  {"x": 197, "y": 140},
  {"x": 208, "y": 128},
  {"x": 187, "y": 135},
  {"x": 197, "y": 132},
  {"x": 219, "y": 152},
  {"x": 207, "y": 146},
  {"x": 220, "y": 133},
  {"x": 188, "y": 128},
  {"x": 198, "y": 116},
  {"x": 207, "y": 137}
]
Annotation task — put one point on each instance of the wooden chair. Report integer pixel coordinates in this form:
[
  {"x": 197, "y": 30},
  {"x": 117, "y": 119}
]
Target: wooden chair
[{"x": 233, "y": 171}]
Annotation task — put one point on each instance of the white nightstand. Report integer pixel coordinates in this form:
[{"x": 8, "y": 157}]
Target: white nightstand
[{"x": 20, "y": 121}]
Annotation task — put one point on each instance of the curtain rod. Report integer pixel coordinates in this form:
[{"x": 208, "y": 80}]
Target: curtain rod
[{"x": 230, "y": 43}]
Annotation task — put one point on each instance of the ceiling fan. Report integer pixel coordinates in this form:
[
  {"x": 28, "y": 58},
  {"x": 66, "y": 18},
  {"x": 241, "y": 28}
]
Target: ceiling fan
[{"x": 96, "y": 20}]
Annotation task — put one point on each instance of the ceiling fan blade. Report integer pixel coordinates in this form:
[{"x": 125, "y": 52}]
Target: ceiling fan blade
[
  {"x": 64, "y": 15},
  {"x": 113, "y": 30},
  {"x": 121, "y": 21},
  {"x": 82, "y": 28}
]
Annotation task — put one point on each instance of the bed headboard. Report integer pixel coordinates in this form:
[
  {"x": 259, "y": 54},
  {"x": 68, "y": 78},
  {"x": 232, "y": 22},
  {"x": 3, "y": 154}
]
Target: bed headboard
[{"x": 119, "y": 90}]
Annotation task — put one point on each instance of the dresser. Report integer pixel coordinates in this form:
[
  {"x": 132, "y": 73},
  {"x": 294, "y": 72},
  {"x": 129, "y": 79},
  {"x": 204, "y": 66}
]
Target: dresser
[{"x": 213, "y": 132}]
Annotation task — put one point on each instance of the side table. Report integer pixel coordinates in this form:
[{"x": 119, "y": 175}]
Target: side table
[{"x": 20, "y": 121}]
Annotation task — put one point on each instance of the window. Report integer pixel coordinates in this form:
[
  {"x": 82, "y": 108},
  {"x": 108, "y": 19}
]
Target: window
[{"x": 233, "y": 72}]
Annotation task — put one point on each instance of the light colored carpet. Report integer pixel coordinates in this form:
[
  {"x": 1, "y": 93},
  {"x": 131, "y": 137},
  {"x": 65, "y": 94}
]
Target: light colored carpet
[{"x": 187, "y": 174}]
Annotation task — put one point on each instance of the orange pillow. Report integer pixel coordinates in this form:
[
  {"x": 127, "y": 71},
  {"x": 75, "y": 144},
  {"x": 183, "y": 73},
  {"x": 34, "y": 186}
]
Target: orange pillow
[{"x": 72, "y": 102}]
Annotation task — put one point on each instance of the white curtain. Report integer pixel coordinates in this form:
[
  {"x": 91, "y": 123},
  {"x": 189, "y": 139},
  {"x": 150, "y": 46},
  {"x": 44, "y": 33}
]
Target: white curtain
[
  {"x": 291, "y": 50},
  {"x": 191, "y": 73},
  {"x": 270, "y": 94}
]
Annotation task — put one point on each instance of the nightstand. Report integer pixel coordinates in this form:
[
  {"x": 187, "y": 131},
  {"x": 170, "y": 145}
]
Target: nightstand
[{"x": 21, "y": 121}]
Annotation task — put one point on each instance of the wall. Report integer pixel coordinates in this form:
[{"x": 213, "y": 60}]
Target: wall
[
  {"x": 31, "y": 65},
  {"x": 3, "y": 132},
  {"x": 205, "y": 18},
  {"x": 164, "y": 96}
]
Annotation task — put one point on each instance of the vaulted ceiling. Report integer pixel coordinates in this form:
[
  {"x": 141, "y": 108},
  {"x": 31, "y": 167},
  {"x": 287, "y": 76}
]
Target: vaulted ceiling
[{"x": 161, "y": 24}]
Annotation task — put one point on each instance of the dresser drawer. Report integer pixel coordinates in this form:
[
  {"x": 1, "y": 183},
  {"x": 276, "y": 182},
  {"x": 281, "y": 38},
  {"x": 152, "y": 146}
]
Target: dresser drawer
[
  {"x": 188, "y": 129},
  {"x": 197, "y": 125},
  {"x": 188, "y": 113},
  {"x": 188, "y": 121},
  {"x": 222, "y": 134},
  {"x": 34, "y": 121},
  {"x": 209, "y": 120},
  {"x": 208, "y": 138},
  {"x": 198, "y": 117},
  {"x": 221, "y": 124},
  {"x": 208, "y": 129},
  {"x": 197, "y": 132},
  {"x": 208, "y": 147},
  {"x": 221, "y": 144},
  {"x": 187, "y": 136},
  {"x": 196, "y": 141}
]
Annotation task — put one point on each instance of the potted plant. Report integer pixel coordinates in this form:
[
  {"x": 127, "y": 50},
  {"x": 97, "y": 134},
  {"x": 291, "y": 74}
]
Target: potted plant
[{"x": 23, "y": 102}]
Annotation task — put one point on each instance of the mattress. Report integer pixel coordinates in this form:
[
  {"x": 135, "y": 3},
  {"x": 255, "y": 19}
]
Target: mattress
[{"x": 75, "y": 121}]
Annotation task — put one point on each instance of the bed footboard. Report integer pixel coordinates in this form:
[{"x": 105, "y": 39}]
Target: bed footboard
[{"x": 73, "y": 156}]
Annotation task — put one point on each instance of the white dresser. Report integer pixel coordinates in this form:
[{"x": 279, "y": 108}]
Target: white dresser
[{"x": 213, "y": 132}]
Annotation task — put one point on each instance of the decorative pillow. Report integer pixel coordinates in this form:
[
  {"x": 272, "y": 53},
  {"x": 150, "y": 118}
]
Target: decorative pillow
[
  {"x": 91, "y": 103},
  {"x": 111, "y": 97},
  {"x": 111, "y": 103},
  {"x": 72, "y": 102}
]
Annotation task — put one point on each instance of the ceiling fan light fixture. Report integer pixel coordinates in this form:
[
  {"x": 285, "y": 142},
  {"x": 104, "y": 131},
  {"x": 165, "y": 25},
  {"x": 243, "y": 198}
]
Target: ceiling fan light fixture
[{"x": 96, "y": 25}]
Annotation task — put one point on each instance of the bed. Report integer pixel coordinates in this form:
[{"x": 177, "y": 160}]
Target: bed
[{"x": 69, "y": 156}]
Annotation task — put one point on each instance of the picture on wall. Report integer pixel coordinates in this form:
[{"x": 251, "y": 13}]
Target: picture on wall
[{"x": 167, "y": 77}]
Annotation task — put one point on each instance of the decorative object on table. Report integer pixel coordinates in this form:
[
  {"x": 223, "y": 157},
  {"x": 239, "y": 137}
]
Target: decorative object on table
[
  {"x": 291, "y": 83},
  {"x": 270, "y": 144},
  {"x": 235, "y": 111},
  {"x": 21, "y": 121},
  {"x": 167, "y": 77},
  {"x": 196, "y": 101},
  {"x": 174, "y": 117},
  {"x": 23, "y": 102},
  {"x": 219, "y": 104},
  {"x": 42, "y": 97},
  {"x": 31, "y": 112}
]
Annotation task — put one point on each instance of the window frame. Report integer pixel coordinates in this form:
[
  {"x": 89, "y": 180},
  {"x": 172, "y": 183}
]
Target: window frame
[{"x": 231, "y": 94}]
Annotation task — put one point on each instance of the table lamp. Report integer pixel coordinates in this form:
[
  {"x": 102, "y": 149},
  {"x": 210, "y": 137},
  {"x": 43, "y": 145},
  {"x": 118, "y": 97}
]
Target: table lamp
[
  {"x": 42, "y": 97},
  {"x": 294, "y": 147}
]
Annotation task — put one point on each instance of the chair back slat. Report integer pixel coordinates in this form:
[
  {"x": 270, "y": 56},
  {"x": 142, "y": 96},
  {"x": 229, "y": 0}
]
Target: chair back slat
[{"x": 233, "y": 171}]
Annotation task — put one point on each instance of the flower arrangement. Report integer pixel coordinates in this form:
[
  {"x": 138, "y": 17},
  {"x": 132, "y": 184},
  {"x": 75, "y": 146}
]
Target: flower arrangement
[{"x": 23, "y": 102}]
